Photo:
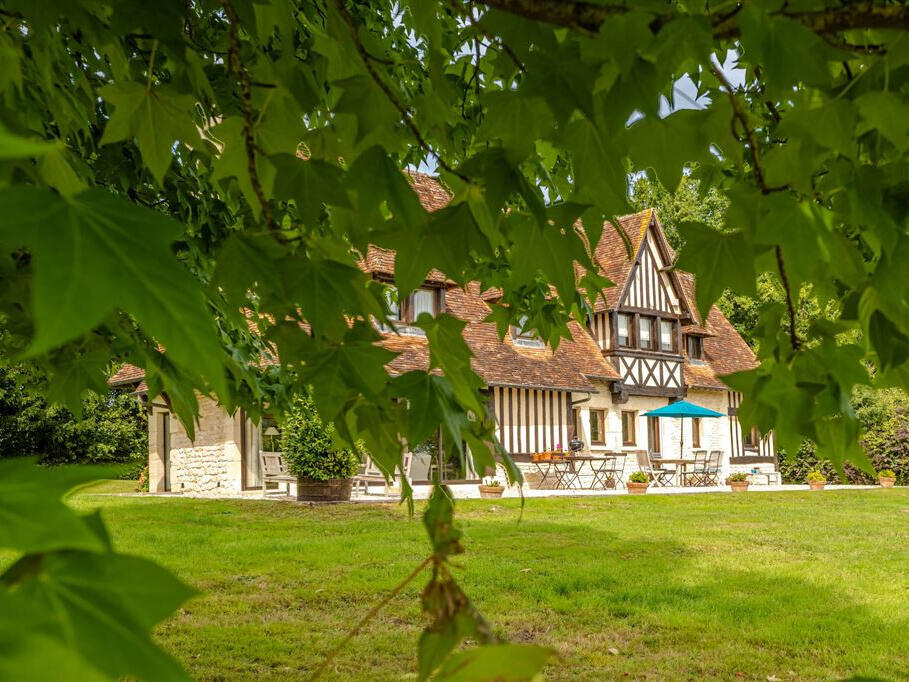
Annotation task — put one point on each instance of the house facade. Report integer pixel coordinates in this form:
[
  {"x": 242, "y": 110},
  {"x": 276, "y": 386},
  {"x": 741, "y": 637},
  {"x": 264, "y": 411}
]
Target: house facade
[{"x": 643, "y": 346}]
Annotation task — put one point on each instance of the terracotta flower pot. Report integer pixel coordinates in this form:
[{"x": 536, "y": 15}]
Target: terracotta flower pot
[
  {"x": 886, "y": 481},
  {"x": 635, "y": 488},
  {"x": 739, "y": 486},
  {"x": 817, "y": 485},
  {"x": 333, "y": 490},
  {"x": 491, "y": 491}
]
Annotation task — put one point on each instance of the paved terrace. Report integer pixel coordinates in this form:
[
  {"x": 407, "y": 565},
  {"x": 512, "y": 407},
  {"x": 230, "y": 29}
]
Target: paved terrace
[{"x": 469, "y": 491}]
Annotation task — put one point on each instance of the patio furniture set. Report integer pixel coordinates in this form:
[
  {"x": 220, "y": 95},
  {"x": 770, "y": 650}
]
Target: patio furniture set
[
  {"x": 567, "y": 471},
  {"x": 562, "y": 470}
]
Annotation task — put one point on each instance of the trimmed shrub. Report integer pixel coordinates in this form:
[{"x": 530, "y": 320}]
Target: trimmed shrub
[
  {"x": 113, "y": 427},
  {"x": 794, "y": 469},
  {"x": 309, "y": 445}
]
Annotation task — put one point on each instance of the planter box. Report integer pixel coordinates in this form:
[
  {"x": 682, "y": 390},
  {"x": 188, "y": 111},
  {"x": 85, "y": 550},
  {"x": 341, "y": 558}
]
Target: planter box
[
  {"x": 334, "y": 490},
  {"x": 739, "y": 486},
  {"x": 817, "y": 485},
  {"x": 637, "y": 488},
  {"x": 491, "y": 491},
  {"x": 886, "y": 481}
]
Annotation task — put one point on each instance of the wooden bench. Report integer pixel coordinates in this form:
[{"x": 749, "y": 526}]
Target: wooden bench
[
  {"x": 274, "y": 470},
  {"x": 370, "y": 474}
]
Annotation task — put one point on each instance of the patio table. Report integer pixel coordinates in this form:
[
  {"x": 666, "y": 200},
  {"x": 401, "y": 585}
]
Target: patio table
[
  {"x": 546, "y": 472},
  {"x": 679, "y": 463}
]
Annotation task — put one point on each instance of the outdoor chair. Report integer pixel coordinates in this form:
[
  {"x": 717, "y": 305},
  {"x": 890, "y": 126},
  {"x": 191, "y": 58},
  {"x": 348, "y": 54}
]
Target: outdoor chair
[
  {"x": 660, "y": 476},
  {"x": 369, "y": 474},
  {"x": 567, "y": 473},
  {"x": 613, "y": 470},
  {"x": 695, "y": 475},
  {"x": 712, "y": 472},
  {"x": 274, "y": 470}
]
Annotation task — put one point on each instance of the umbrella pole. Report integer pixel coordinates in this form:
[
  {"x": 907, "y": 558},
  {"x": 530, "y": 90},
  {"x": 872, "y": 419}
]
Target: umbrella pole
[{"x": 681, "y": 436}]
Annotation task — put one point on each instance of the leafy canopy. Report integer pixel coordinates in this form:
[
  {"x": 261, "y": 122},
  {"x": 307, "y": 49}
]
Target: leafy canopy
[{"x": 174, "y": 173}]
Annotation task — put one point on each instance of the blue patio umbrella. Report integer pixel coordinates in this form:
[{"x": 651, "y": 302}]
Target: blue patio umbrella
[{"x": 682, "y": 409}]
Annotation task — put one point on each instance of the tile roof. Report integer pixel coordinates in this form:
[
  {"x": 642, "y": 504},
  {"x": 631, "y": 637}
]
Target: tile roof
[
  {"x": 127, "y": 374},
  {"x": 576, "y": 361}
]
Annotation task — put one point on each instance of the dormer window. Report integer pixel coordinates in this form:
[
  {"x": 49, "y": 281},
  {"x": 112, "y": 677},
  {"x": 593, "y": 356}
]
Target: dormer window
[
  {"x": 406, "y": 312},
  {"x": 424, "y": 301},
  {"x": 694, "y": 346},
  {"x": 623, "y": 330},
  {"x": 524, "y": 336},
  {"x": 645, "y": 332},
  {"x": 667, "y": 337}
]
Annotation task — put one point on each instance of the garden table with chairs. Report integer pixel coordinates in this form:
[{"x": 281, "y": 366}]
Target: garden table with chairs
[{"x": 565, "y": 470}]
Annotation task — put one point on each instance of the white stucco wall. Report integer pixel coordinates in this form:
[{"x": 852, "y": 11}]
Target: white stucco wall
[{"x": 714, "y": 432}]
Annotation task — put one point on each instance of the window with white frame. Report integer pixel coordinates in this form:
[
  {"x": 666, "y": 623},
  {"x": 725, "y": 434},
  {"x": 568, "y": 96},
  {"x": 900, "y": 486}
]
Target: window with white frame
[
  {"x": 645, "y": 332},
  {"x": 623, "y": 330},
  {"x": 667, "y": 336},
  {"x": 407, "y": 311}
]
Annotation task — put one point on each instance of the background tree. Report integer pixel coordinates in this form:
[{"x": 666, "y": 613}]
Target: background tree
[{"x": 166, "y": 166}]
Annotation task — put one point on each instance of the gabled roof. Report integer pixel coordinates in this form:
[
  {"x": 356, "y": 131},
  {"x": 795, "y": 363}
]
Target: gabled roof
[
  {"x": 612, "y": 255},
  {"x": 577, "y": 361}
]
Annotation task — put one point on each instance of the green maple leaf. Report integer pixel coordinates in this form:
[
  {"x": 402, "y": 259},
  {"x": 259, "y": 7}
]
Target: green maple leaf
[
  {"x": 27, "y": 527},
  {"x": 155, "y": 117},
  {"x": 886, "y": 112},
  {"x": 14, "y": 146},
  {"x": 310, "y": 183},
  {"x": 598, "y": 166},
  {"x": 450, "y": 353},
  {"x": 718, "y": 260},
  {"x": 233, "y": 162},
  {"x": 551, "y": 248},
  {"x": 517, "y": 120},
  {"x": 339, "y": 372},
  {"x": 105, "y": 606},
  {"x": 327, "y": 287},
  {"x": 97, "y": 253},
  {"x": 448, "y": 241},
  {"x": 366, "y": 102},
  {"x": 669, "y": 144}
]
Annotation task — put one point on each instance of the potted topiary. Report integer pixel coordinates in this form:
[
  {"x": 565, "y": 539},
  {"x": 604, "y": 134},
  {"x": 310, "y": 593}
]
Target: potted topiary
[
  {"x": 886, "y": 477},
  {"x": 491, "y": 488},
  {"x": 638, "y": 482},
  {"x": 816, "y": 480},
  {"x": 324, "y": 469},
  {"x": 738, "y": 481}
]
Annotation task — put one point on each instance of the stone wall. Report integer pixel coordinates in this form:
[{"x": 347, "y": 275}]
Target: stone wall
[{"x": 209, "y": 464}]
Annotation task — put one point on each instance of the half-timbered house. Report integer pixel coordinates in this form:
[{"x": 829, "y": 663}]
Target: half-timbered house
[{"x": 642, "y": 346}]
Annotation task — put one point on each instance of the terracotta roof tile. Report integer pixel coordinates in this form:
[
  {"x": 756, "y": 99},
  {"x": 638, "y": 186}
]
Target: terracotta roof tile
[
  {"x": 576, "y": 361},
  {"x": 127, "y": 374}
]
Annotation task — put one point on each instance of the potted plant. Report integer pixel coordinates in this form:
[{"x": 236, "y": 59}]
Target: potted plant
[
  {"x": 638, "y": 483},
  {"x": 886, "y": 477},
  {"x": 491, "y": 488},
  {"x": 324, "y": 470},
  {"x": 738, "y": 481},
  {"x": 816, "y": 480}
]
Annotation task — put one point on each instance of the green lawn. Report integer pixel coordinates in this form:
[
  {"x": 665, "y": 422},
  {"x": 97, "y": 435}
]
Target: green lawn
[{"x": 796, "y": 585}]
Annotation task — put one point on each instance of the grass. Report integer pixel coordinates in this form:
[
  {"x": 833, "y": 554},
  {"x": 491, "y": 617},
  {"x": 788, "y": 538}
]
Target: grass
[{"x": 800, "y": 586}]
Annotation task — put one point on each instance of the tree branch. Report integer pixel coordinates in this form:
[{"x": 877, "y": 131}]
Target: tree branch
[
  {"x": 249, "y": 138},
  {"x": 396, "y": 103},
  {"x": 329, "y": 657},
  {"x": 738, "y": 113},
  {"x": 586, "y": 17}
]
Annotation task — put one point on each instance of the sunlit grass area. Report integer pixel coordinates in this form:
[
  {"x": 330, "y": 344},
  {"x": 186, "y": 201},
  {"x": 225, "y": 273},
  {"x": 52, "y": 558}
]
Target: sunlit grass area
[{"x": 797, "y": 585}]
